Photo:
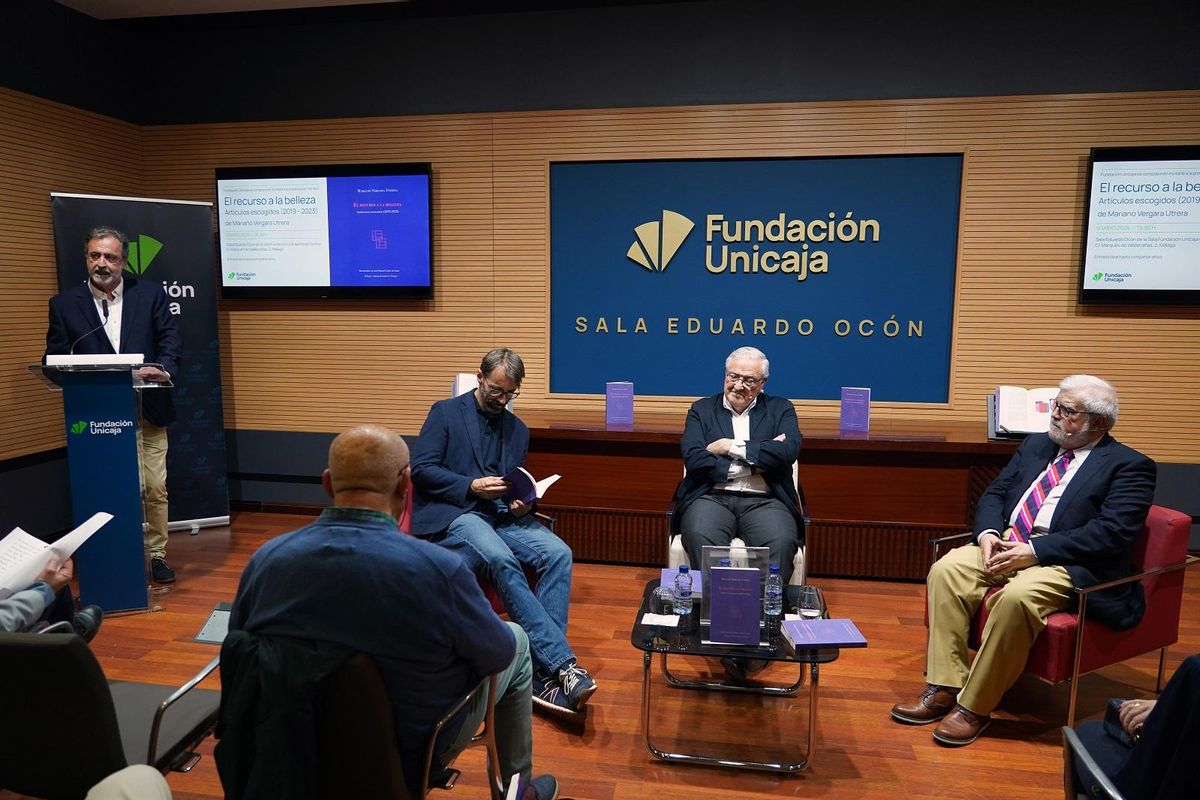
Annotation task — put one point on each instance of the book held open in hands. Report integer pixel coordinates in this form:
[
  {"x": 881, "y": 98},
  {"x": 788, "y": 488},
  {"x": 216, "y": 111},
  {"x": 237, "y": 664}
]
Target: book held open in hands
[{"x": 523, "y": 487}]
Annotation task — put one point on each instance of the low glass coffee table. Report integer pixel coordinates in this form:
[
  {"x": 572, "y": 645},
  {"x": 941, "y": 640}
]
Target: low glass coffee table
[{"x": 689, "y": 643}]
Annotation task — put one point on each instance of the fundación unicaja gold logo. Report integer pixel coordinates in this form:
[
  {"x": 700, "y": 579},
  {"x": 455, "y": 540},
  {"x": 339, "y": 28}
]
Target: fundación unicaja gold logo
[{"x": 658, "y": 241}]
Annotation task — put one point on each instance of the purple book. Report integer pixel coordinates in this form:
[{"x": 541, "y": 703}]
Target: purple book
[
  {"x": 735, "y": 603},
  {"x": 811, "y": 634},
  {"x": 618, "y": 404},
  {"x": 856, "y": 409}
]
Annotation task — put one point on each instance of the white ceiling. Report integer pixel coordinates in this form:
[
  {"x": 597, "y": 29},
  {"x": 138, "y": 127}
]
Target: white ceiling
[{"x": 128, "y": 9}]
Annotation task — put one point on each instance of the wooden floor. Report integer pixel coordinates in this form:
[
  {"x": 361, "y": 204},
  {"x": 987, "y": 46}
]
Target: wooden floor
[{"x": 860, "y": 752}]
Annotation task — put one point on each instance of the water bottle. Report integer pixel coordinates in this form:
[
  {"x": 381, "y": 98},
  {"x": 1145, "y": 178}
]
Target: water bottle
[
  {"x": 773, "y": 601},
  {"x": 683, "y": 592}
]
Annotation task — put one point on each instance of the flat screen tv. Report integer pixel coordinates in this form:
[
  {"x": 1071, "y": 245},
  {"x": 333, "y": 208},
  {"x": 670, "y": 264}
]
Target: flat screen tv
[
  {"x": 1141, "y": 226},
  {"x": 348, "y": 230}
]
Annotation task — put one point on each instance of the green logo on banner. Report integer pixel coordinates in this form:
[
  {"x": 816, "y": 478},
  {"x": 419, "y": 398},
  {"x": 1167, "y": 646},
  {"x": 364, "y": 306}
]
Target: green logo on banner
[
  {"x": 142, "y": 252},
  {"x": 79, "y": 427},
  {"x": 231, "y": 275},
  {"x": 1098, "y": 276}
]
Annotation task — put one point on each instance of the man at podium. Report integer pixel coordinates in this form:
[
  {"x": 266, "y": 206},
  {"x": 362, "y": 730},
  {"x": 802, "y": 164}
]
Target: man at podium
[{"x": 110, "y": 313}]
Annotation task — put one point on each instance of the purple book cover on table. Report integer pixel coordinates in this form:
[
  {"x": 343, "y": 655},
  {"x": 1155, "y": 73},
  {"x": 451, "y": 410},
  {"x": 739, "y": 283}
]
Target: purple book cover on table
[
  {"x": 809, "y": 634},
  {"x": 735, "y": 602},
  {"x": 618, "y": 403},
  {"x": 856, "y": 409}
]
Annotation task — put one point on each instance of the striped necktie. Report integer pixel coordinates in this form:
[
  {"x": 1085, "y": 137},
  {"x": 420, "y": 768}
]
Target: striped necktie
[{"x": 1023, "y": 526}]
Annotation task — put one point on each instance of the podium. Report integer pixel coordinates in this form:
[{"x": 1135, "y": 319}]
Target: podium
[{"x": 100, "y": 412}]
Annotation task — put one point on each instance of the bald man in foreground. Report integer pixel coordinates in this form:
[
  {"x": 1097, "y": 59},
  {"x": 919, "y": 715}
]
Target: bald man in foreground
[{"x": 353, "y": 579}]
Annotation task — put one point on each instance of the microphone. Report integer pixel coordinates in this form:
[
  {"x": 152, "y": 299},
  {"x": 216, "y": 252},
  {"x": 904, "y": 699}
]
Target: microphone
[{"x": 104, "y": 307}]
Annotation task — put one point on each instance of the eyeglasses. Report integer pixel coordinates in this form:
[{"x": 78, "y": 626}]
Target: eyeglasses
[
  {"x": 496, "y": 391},
  {"x": 111, "y": 258},
  {"x": 746, "y": 380},
  {"x": 1066, "y": 412}
]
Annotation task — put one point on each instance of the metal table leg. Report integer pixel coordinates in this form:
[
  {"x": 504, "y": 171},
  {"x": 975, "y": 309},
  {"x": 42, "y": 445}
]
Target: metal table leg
[{"x": 695, "y": 758}]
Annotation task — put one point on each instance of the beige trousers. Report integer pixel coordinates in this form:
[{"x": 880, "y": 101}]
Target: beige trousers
[
  {"x": 152, "y": 465},
  {"x": 1017, "y": 614}
]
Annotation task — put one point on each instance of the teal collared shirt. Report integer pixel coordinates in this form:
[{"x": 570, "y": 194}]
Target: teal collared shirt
[{"x": 335, "y": 513}]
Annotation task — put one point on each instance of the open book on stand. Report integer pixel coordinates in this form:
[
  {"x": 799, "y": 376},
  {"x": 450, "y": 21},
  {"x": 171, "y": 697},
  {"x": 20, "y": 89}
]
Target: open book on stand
[
  {"x": 524, "y": 488},
  {"x": 23, "y": 557},
  {"x": 1015, "y": 412}
]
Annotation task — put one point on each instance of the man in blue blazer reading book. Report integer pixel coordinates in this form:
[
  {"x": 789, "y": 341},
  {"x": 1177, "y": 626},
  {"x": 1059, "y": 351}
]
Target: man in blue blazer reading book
[
  {"x": 1063, "y": 513},
  {"x": 466, "y": 445},
  {"x": 112, "y": 312}
]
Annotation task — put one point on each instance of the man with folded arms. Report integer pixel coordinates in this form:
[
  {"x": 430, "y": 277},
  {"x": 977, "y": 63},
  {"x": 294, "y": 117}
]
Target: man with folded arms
[
  {"x": 738, "y": 449},
  {"x": 1063, "y": 514},
  {"x": 467, "y": 444}
]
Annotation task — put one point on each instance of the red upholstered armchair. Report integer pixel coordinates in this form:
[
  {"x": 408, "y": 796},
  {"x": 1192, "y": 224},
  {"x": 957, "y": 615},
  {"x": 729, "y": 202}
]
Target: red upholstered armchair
[{"x": 1073, "y": 645}]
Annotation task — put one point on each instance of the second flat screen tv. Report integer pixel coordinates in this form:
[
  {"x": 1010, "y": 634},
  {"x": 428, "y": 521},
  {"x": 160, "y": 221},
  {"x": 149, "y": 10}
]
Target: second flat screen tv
[{"x": 349, "y": 230}]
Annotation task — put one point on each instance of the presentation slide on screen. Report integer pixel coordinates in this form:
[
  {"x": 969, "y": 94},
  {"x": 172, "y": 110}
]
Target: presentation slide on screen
[
  {"x": 1143, "y": 226},
  {"x": 337, "y": 231}
]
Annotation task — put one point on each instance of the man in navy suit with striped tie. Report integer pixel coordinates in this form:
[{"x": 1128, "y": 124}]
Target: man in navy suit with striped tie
[{"x": 1063, "y": 514}]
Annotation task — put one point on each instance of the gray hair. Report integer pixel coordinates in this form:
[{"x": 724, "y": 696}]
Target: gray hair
[
  {"x": 507, "y": 359},
  {"x": 104, "y": 233},
  {"x": 749, "y": 354},
  {"x": 1097, "y": 396}
]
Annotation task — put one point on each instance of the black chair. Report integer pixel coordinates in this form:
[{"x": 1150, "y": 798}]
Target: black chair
[
  {"x": 67, "y": 727},
  {"x": 1078, "y": 762},
  {"x": 357, "y": 754}
]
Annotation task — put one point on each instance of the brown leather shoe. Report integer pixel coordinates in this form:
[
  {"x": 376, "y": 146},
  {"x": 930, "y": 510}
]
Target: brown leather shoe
[
  {"x": 960, "y": 727},
  {"x": 933, "y": 704}
]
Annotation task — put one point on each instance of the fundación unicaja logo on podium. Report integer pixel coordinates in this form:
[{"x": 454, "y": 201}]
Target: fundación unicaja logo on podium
[
  {"x": 79, "y": 426},
  {"x": 658, "y": 241}
]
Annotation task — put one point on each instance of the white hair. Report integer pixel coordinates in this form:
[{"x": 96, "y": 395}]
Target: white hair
[
  {"x": 1097, "y": 396},
  {"x": 749, "y": 354}
]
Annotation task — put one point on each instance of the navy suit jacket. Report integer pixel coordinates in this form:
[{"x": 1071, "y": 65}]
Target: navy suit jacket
[
  {"x": 1097, "y": 519},
  {"x": 709, "y": 420},
  {"x": 447, "y": 457},
  {"x": 147, "y": 327}
]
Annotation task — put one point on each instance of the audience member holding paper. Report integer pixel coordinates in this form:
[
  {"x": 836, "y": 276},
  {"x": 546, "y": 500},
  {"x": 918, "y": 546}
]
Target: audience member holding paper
[{"x": 35, "y": 581}]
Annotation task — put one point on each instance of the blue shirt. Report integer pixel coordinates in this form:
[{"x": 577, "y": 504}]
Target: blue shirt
[{"x": 352, "y": 578}]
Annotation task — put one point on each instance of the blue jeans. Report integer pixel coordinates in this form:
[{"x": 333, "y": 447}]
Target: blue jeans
[
  {"x": 514, "y": 732},
  {"x": 496, "y": 547}
]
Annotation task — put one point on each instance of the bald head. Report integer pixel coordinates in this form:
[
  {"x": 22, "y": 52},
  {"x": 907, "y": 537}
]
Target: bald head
[{"x": 366, "y": 462}]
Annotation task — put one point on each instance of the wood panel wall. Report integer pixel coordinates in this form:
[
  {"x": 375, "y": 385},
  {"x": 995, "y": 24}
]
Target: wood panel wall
[
  {"x": 322, "y": 366},
  {"x": 45, "y": 147}
]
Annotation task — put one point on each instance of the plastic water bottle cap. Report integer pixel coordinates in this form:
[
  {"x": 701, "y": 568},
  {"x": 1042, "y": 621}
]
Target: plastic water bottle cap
[
  {"x": 774, "y": 569},
  {"x": 683, "y": 567}
]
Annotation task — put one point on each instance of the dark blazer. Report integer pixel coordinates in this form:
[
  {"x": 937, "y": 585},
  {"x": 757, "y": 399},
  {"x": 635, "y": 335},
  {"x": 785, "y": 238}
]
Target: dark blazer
[
  {"x": 1095, "y": 523},
  {"x": 709, "y": 420},
  {"x": 147, "y": 327},
  {"x": 447, "y": 457}
]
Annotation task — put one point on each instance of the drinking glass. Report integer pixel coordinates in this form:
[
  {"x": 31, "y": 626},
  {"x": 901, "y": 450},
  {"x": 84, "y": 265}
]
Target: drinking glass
[{"x": 809, "y": 604}]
